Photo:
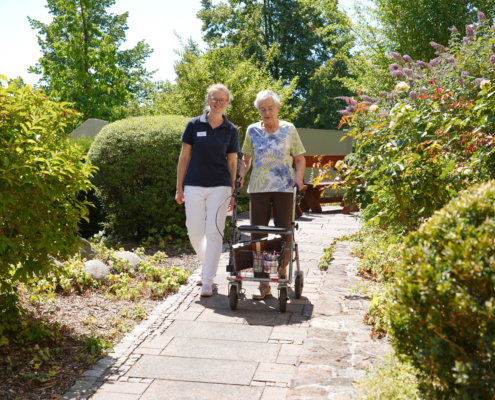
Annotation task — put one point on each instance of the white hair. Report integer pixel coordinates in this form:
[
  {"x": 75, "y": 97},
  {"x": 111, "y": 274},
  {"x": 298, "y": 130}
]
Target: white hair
[
  {"x": 265, "y": 95},
  {"x": 212, "y": 88}
]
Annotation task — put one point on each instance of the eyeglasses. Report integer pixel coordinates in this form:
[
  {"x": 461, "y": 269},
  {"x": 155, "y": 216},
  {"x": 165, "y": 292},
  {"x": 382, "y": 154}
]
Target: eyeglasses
[
  {"x": 265, "y": 110},
  {"x": 221, "y": 101}
]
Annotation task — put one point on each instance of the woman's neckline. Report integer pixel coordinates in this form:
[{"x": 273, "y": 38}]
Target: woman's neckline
[
  {"x": 222, "y": 121},
  {"x": 280, "y": 124}
]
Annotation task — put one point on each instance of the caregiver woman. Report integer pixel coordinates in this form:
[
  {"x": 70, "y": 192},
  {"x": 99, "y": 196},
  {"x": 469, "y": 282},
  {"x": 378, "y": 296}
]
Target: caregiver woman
[
  {"x": 206, "y": 170},
  {"x": 273, "y": 146}
]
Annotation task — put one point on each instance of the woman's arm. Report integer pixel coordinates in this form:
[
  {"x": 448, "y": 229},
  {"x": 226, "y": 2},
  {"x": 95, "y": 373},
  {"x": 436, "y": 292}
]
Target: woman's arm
[
  {"x": 300, "y": 162},
  {"x": 245, "y": 165},
  {"x": 185, "y": 156},
  {"x": 232, "y": 164}
]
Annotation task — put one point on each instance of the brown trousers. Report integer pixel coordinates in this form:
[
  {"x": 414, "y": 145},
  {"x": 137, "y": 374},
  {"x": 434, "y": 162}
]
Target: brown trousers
[{"x": 260, "y": 209}]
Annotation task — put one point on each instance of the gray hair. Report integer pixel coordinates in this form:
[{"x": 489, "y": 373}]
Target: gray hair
[
  {"x": 265, "y": 95},
  {"x": 211, "y": 89}
]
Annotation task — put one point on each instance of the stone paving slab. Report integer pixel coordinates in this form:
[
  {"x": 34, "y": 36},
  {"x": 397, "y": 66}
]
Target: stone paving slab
[
  {"x": 220, "y": 331},
  {"x": 174, "y": 390},
  {"x": 115, "y": 396},
  {"x": 198, "y": 369},
  {"x": 222, "y": 350},
  {"x": 124, "y": 387}
]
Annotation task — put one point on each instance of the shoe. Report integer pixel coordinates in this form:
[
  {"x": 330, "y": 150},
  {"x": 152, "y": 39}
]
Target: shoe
[
  {"x": 262, "y": 292},
  {"x": 206, "y": 290},
  {"x": 199, "y": 282}
]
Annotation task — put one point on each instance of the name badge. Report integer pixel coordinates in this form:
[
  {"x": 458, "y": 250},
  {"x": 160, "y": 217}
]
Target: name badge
[{"x": 201, "y": 134}]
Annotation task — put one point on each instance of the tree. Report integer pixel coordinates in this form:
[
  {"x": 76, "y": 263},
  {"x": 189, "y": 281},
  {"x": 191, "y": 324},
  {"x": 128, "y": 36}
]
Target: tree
[
  {"x": 81, "y": 60},
  {"x": 323, "y": 100},
  {"x": 411, "y": 26},
  {"x": 292, "y": 37},
  {"x": 197, "y": 70}
]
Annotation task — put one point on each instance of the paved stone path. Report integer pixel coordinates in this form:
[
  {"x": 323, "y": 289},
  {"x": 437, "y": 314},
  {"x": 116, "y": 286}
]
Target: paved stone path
[{"x": 198, "y": 348}]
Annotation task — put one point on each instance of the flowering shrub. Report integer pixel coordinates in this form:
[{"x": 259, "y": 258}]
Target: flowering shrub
[{"x": 419, "y": 145}]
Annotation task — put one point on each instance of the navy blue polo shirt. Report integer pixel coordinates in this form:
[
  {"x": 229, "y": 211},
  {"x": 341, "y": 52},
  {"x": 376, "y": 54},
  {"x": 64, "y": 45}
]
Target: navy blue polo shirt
[{"x": 208, "y": 166}]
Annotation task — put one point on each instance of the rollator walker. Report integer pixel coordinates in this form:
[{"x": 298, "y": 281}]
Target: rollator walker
[{"x": 261, "y": 260}]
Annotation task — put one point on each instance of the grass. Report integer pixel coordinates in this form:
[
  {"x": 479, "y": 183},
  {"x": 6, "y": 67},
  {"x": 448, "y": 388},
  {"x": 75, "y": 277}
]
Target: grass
[{"x": 390, "y": 379}]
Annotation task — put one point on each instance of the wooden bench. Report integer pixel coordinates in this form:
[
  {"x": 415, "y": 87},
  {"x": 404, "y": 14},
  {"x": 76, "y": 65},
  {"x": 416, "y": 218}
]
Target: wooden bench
[{"x": 313, "y": 193}]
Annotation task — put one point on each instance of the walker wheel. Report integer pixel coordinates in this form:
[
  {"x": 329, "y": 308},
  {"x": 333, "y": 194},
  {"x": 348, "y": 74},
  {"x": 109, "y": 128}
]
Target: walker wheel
[
  {"x": 298, "y": 285},
  {"x": 233, "y": 297},
  {"x": 283, "y": 299}
]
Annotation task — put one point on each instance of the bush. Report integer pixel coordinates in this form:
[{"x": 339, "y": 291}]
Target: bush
[
  {"x": 417, "y": 147},
  {"x": 137, "y": 160},
  {"x": 41, "y": 177},
  {"x": 443, "y": 314}
]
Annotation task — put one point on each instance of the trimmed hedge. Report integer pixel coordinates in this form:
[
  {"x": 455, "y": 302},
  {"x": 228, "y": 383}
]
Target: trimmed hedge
[
  {"x": 137, "y": 161},
  {"x": 443, "y": 313}
]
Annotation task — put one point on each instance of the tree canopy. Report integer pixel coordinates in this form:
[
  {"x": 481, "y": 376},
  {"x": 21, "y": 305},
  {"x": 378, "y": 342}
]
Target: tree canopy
[
  {"x": 293, "y": 38},
  {"x": 196, "y": 70},
  {"x": 411, "y": 26},
  {"x": 81, "y": 60}
]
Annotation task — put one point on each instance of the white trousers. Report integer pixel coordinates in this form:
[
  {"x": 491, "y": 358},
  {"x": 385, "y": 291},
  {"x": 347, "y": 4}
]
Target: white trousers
[{"x": 203, "y": 204}]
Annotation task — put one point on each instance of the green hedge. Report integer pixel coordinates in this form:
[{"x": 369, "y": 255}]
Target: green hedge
[
  {"x": 137, "y": 161},
  {"x": 443, "y": 313}
]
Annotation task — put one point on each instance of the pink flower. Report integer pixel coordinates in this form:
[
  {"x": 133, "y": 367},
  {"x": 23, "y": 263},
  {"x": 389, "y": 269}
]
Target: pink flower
[
  {"x": 396, "y": 56},
  {"x": 438, "y": 47},
  {"x": 408, "y": 71},
  {"x": 469, "y": 31},
  {"x": 413, "y": 95},
  {"x": 481, "y": 17},
  {"x": 451, "y": 60},
  {"x": 394, "y": 67},
  {"x": 492, "y": 59},
  {"x": 397, "y": 74},
  {"x": 408, "y": 59},
  {"x": 455, "y": 31},
  {"x": 461, "y": 81}
]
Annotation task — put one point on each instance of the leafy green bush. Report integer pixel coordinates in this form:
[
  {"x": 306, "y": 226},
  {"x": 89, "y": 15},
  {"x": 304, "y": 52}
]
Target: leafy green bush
[
  {"x": 443, "y": 313},
  {"x": 42, "y": 176},
  {"x": 137, "y": 161}
]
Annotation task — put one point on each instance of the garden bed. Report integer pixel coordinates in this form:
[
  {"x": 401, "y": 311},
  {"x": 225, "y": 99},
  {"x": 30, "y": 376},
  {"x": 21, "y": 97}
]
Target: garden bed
[{"x": 78, "y": 328}]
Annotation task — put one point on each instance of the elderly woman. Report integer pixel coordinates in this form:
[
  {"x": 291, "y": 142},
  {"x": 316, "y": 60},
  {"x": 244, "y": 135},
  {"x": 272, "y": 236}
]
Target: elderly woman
[
  {"x": 273, "y": 146},
  {"x": 206, "y": 175}
]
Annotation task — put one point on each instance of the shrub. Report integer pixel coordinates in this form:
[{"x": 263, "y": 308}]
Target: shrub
[
  {"x": 41, "y": 178},
  {"x": 137, "y": 160},
  {"x": 417, "y": 147},
  {"x": 443, "y": 313}
]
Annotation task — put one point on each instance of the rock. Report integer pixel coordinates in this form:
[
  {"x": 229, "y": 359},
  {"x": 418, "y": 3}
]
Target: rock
[
  {"x": 97, "y": 270},
  {"x": 87, "y": 251},
  {"x": 129, "y": 256}
]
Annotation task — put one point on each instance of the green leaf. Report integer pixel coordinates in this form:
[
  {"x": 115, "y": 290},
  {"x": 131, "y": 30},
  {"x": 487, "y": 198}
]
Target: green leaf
[{"x": 447, "y": 169}]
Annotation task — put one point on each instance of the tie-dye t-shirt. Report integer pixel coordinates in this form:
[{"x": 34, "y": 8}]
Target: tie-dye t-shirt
[{"x": 272, "y": 157}]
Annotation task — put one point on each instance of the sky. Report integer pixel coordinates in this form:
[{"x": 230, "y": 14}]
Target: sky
[{"x": 155, "y": 21}]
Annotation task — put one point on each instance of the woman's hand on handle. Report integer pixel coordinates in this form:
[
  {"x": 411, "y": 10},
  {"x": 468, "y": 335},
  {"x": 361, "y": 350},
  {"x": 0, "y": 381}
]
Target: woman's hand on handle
[
  {"x": 179, "y": 196},
  {"x": 231, "y": 204},
  {"x": 298, "y": 183}
]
